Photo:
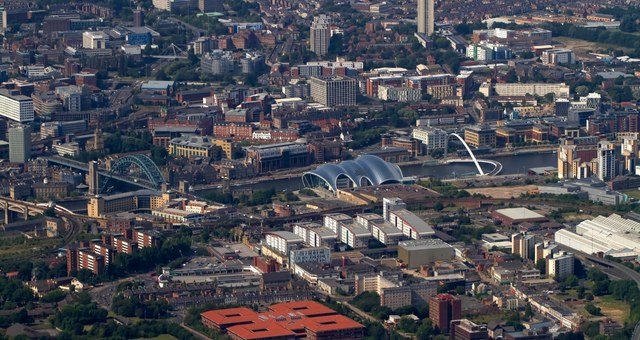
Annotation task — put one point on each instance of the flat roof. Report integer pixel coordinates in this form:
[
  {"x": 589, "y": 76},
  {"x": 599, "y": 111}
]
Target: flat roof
[
  {"x": 415, "y": 222},
  {"x": 429, "y": 243},
  {"x": 519, "y": 213},
  {"x": 287, "y": 235},
  {"x": 283, "y": 319}
]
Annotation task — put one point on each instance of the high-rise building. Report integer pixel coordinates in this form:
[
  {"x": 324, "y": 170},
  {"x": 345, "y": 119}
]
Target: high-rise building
[
  {"x": 320, "y": 35},
  {"x": 334, "y": 91},
  {"x": 210, "y": 6},
  {"x": 426, "y": 16},
  {"x": 15, "y": 106},
  {"x": 467, "y": 330},
  {"x": 629, "y": 152},
  {"x": 560, "y": 265},
  {"x": 3, "y": 19},
  {"x": 19, "y": 143},
  {"x": 92, "y": 178},
  {"x": 138, "y": 18},
  {"x": 606, "y": 161},
  {"x": 443, "y": 308},
  {"x": 523, "y": 245}
]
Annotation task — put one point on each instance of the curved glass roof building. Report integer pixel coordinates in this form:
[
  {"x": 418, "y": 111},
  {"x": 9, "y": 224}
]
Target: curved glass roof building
[{"x": 366, "y": 170}]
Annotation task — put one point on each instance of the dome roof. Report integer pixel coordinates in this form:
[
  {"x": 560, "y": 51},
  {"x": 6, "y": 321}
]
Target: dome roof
[{"x": 366, "y": 170}]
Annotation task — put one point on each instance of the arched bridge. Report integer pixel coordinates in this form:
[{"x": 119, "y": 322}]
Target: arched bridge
[
  {"x": 473, "y": 157},
  {"x": 148, "y": 168}
]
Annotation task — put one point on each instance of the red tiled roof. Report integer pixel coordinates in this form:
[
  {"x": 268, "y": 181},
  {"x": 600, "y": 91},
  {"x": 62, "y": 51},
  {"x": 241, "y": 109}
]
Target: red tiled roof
[
  {"x": 330, "y": 323},
  {"x": 282, "y": 320},
  {"x": 260, "y": 330},
  {"x": 230, "y": 316},
  {"x": 306, "y": 308}
]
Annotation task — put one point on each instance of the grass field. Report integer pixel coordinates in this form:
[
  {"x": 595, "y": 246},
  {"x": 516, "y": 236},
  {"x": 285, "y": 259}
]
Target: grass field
[
  {"x": 632, "y": 193},
  {"x": 161, "y": 337},
  {"x": 612, "y": 308},
  {"x": 583, "y": 46}
]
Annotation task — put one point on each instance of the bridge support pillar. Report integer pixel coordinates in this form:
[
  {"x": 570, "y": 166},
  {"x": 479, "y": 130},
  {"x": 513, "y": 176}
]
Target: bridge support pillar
[
  {"x": 26, "y": 213},
  {"x": 6, "y": 215}
]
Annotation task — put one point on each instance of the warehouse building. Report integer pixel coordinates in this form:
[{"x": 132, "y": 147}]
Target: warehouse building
[{"x": 416, "y": 253}]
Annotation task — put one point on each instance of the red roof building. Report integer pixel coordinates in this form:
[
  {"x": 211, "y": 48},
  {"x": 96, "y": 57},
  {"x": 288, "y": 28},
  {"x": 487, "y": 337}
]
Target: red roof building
[{"x": 292, "y": 320}]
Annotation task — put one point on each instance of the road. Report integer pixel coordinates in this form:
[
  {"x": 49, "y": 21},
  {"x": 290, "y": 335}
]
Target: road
[{"x": 197, "y": 32}]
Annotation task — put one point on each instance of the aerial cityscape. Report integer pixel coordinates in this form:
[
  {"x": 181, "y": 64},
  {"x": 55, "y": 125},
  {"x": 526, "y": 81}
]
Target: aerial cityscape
[{"x": 320, "y": 169}]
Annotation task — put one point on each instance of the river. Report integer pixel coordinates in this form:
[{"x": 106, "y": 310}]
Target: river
[{"x": 511, "y": 165}]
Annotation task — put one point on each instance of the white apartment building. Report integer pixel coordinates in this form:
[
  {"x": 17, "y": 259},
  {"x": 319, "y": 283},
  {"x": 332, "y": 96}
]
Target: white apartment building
[
  {"x": 16, "y": 107},
  {"x": 320, "y": 255},
  {"x": 314, "y": 235},
  {"x": 560, "y": 90},
  {"x": 432, "y": 138},
  {"x": 283, "y": 241},
  {"x": 560, "y": 265},
  {"x": 386, "y": 233},
  {"x": 334, "y": 222},
  {"x": 399, "y": 94},
  {"x": 354, "y": 235}
]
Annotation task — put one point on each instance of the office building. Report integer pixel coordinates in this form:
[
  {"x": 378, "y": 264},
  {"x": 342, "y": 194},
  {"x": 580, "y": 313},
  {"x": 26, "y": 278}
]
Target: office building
[
  {"x": 607, "y": 165},
  {"x": 487, "y": 51},
  {"x": 443, "y": 308},
  {"x": 334, "y": 91},
  {"x": 416, "y": 253},
  {"x": 3, "y": 19},
  {"x": 94, "y": 40},
  {"x": 19, "y": 143},
  {"x": 560, "y": 265},
  {"x": 15, "y": 106},
  {"x": 480, "y": 135},
  {"x": 320, "y": 35},
  {"x": 432, "y": 138},
  {"x": 558, "y": 57},
  {"x": 467, "y": 330},
  {"x": 192, "y": 146},
  {"x": 426, "y": 17},
  {"x": 211, "y": 6}
]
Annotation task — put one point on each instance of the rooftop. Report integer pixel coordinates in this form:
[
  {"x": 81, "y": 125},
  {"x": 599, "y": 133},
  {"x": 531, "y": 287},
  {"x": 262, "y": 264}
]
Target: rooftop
[
  {"x": 287, "y": 235},
  {"x": 519, "y": 213},
  {"x": 430, "y": 243}
]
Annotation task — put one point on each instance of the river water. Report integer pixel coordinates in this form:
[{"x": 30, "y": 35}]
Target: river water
[{"x": 511, "y": 165}]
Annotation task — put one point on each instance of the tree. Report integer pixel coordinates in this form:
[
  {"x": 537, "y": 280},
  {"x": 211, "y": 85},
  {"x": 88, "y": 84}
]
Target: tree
[
  {"x": 407, "y": 325},
  {"x": 438, "y": 206},
  {"x": 425, "y": 330},
  {"x": 528, "y": 311},
  {"x": 593, "y": 310},
  {"x": 580, "y": 292}
]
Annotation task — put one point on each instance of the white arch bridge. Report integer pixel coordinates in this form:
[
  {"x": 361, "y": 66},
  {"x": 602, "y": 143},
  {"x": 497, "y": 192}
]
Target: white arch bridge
[{"x": 497, "y": 167}]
